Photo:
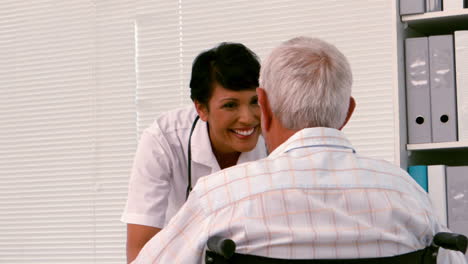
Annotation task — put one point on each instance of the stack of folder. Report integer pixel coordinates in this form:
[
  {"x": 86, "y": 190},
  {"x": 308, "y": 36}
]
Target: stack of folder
[
  {"x": 437, "y": 88},
  {"x": 410, "y": 7},
  {"x": 437, "y": 109},
  {"x": 461, "y": 63},
  {"x": 447, "y": 187}
]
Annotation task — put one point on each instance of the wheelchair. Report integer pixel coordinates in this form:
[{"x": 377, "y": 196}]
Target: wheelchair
[{"x": 222, "y": 251}]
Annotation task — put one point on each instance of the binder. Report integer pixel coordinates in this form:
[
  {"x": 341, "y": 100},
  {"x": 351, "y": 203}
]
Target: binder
[
  {"x": 408, "y": 7},
  {"x": 436, "y": 188},
  {"x": 418, "y": 90},
  {"x": 435, "y": 5},
  {"x": 453, "y": 5},
  {"x": 461, "y": 69},
  {"x": 419, "y": 174},
  {"x": 442, "y": 85},
  {"x": 457, "y": 199}
]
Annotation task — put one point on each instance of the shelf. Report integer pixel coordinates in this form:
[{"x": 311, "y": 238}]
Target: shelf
[
  {"x": 444, "y": 145},
  {"x": 451, "y": 14},
  {"x": 443, "y": 22}
]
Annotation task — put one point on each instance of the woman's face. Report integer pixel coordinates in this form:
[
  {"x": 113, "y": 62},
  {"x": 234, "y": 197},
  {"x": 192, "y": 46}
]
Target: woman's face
[{"x": 233, "y": 118}]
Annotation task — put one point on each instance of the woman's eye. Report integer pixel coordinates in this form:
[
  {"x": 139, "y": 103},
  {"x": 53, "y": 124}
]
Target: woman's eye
[
  {"x": 254, "y": 101},
  {"x": 229, "y": 105}
]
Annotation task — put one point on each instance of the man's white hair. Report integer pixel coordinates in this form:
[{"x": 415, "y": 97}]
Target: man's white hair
[{"x": 308, "y": 82}]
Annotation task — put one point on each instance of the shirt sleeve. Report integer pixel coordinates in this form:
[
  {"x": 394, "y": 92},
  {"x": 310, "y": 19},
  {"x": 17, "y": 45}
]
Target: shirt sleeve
[
  {"x": 182, "y": 240},
  {"x": 149, "y": 181}
]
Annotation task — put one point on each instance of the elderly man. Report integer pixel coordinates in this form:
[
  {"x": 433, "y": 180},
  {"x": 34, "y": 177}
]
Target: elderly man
[{"x": 314, "y": 196}]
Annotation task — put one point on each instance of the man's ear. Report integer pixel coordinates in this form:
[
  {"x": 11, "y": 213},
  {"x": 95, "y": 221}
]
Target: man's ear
[
  {"x": 352, "y": 106},
  {"x": 202, "y": 110},
  {"x": 265, "y": 109}
]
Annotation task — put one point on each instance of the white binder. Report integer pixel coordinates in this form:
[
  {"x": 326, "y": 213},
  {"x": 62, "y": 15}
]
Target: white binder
[
  {"x": 434, "y": 5},
  {"x": 443, "y": 93},
  {"x": 437, "y": 191},
  {"x": 408, "y": 7},
  {"x": 461, "y": 68},
  {"x": 453, "y": 5},
  {"x": 457, "y": 200},
  {"x": 418, "y": 90}
]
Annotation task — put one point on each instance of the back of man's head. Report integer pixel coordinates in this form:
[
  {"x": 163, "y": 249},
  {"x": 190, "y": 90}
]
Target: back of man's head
[{"x": 308, "y": 82}]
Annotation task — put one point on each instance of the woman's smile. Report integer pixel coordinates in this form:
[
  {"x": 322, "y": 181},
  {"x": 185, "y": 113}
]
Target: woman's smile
[{"x": 244, "y": 132}]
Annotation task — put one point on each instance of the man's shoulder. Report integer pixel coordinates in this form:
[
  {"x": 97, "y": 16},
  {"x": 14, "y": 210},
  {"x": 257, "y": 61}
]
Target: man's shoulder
[
  {"x": 230, "y": 185},
  {"x": 384, "y": 174},
  {"x": 380, "y": 165}
]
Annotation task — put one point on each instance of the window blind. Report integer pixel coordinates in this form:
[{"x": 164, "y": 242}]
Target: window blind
[
  {"x": 160, "y": 86},
  {"x": 362, "y": 30},
  {"x": 67, "y": 129}
]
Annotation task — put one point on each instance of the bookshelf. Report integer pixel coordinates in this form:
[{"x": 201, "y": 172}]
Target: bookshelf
[
  {"x": 435, "y": 23},
  {"x": 450, "y": 16},
  {"x": 441, "y": 162},
  {"x": 447, "y": 153},
  {"x": 419, "y": 25},
  {"x": 443, "y": 145}
]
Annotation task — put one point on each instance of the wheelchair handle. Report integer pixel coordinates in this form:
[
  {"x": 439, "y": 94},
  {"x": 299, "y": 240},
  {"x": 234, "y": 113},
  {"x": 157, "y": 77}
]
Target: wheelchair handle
[
  {"x": 451, "y": 241},
  {"x": 221, "y": 246}
]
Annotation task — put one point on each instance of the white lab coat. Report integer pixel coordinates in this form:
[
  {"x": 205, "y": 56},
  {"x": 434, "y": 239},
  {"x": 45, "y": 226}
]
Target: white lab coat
[{"x": 159, "y": 176}]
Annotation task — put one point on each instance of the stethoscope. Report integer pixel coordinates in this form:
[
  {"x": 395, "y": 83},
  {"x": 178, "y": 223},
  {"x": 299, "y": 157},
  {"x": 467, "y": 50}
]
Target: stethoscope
[{"x": 189, "y": 159}]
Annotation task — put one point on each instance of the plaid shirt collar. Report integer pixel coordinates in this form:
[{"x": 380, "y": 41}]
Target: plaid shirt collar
[{"x": 314, "y": 137}]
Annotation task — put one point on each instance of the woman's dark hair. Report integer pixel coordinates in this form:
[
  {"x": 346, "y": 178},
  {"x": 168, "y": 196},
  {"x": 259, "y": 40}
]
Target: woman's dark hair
[{"x": 232, "y": 65}]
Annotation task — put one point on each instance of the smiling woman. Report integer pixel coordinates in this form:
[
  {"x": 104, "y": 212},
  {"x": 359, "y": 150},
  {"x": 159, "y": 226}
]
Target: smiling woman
[
  {"x": 233, "y": 119},
  {"x": 222, "y": 86}
]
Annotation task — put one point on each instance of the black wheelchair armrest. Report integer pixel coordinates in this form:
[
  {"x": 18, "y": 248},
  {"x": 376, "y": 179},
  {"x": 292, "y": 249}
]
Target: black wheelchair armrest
[
  {"x": 451, "y": 241},
  {"x": 221, "y": 246}
]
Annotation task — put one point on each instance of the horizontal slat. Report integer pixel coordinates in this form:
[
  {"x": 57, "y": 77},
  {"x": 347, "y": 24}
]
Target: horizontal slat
[
  {"x": 96, "y": 183},
  {"x": 61, "y": 122},
  {"x": 80, "y": 211},
  {"x": 61, "y": 245},
  {"x": 56, "y": 164},
  {"x": 112, "y": 177},
  {"x": 108, "y": 200}
]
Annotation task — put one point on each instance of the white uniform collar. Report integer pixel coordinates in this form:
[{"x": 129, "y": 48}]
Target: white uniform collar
[
  {"x": 201, "y": 147},
  {"x": 203, "y": 154}
]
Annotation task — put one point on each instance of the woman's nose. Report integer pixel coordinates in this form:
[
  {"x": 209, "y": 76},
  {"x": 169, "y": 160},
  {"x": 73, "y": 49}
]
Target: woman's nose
[{"x": 248, "y": 115}]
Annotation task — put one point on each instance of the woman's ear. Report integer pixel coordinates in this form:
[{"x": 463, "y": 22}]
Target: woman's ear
[
  {"x": 266, "y": 114},
  {"x": 202, "y": 110}
]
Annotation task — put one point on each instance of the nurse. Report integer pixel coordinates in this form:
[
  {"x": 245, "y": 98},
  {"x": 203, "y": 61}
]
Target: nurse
[{"x": 179, "y": 148}]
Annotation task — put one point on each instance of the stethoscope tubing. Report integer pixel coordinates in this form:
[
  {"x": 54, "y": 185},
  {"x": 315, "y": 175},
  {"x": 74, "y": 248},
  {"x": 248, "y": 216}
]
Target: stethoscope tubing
[{"x": 189, "y": 159}]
